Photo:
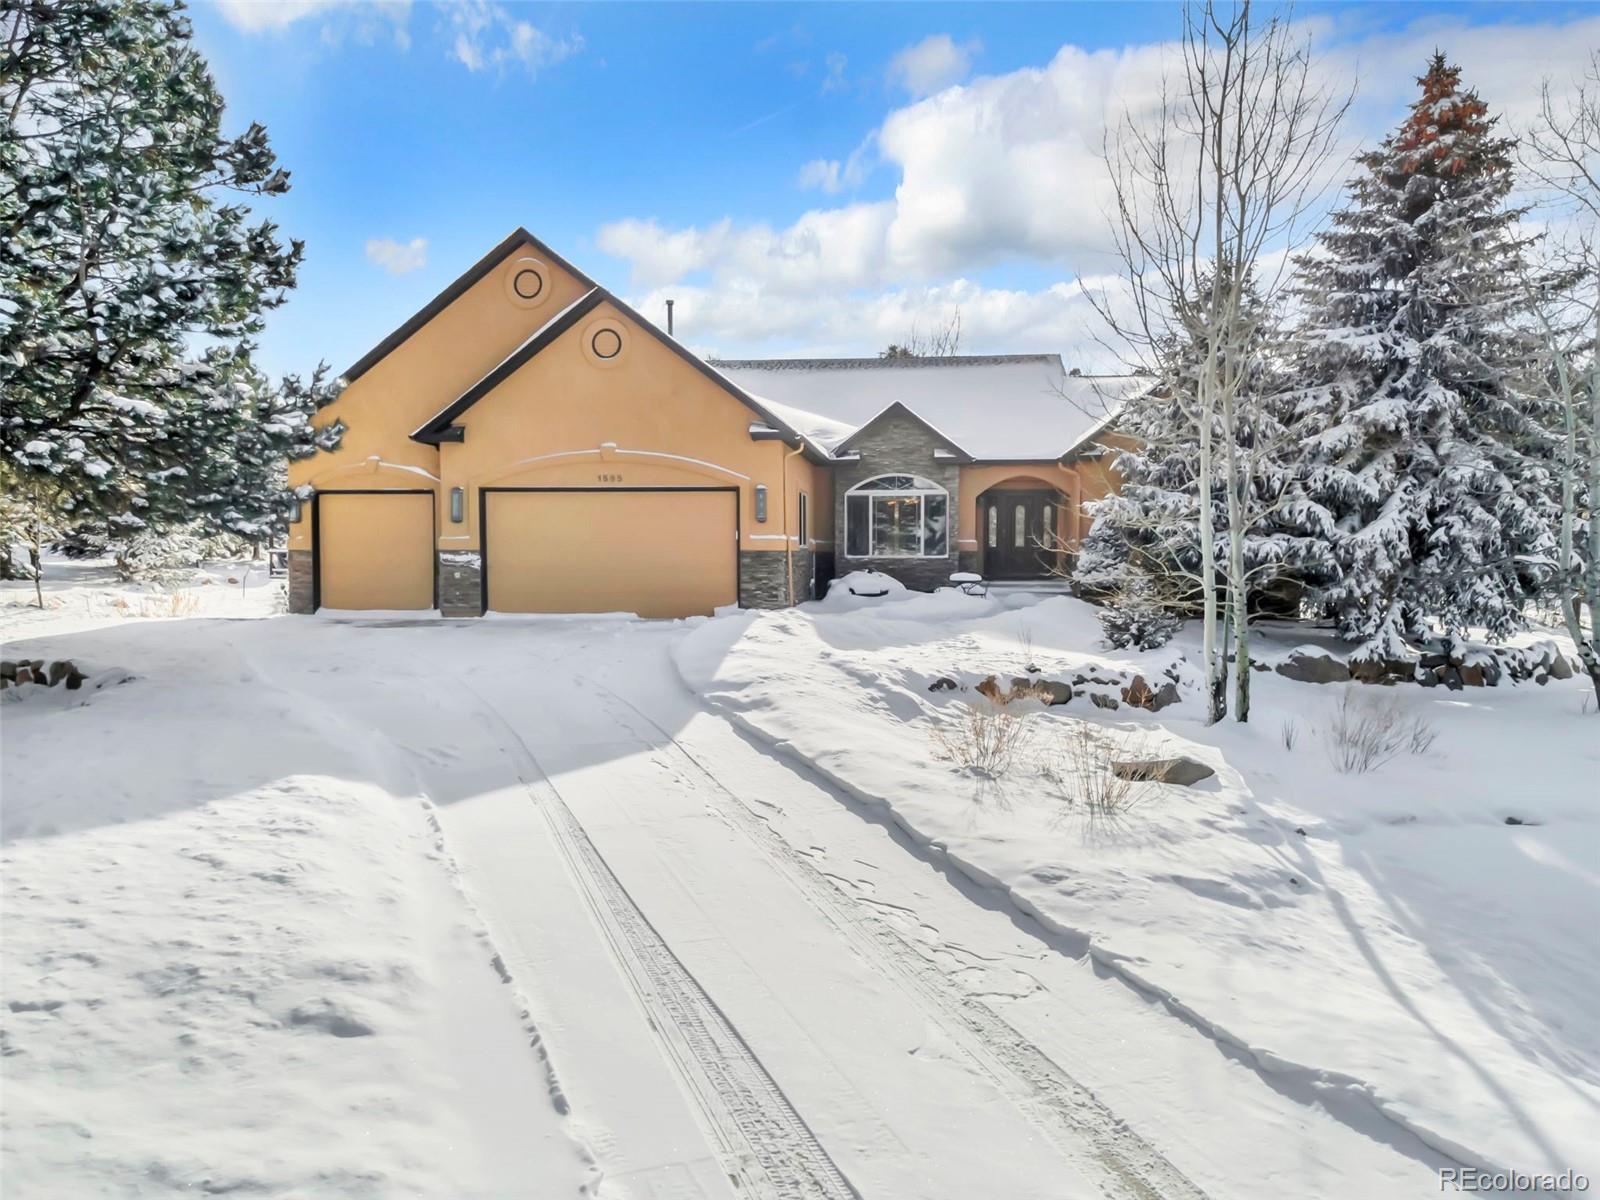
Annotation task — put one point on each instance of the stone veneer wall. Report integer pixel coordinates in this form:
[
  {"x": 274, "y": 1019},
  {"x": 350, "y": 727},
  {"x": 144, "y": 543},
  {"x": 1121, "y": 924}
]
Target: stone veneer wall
[
  {"x": 460, "y": 583},
  {"x": 761, "y": 579},
  {"x": 301, "y": 598},
  {"x": 901, "y": 446}
]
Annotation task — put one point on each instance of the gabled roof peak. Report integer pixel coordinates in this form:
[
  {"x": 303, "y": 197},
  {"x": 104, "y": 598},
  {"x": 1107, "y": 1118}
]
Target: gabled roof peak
[{"x": 515, "y": 240}]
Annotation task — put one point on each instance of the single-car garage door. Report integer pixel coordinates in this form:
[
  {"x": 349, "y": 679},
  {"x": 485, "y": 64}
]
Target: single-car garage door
[
  {"x": 375, "y": 549},
  {"x": 662, "y": 553}
]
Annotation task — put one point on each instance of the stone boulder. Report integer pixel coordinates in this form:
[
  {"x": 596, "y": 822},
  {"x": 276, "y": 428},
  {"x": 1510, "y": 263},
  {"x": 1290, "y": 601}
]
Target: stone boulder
[
  {"x": 990, "y": 688},
  {"x": 1183, "y": 770},
  {"x": 1304, "y": 667},
  {"x": 1052, "y": 692},
  {"x": 1103, "y": 701},
  {"x": 1560, "y": 668},
  {"x": 943, "y": 684},
  {"x": 1386, "y": 670},
  {"x": 1139, "y": 694}
]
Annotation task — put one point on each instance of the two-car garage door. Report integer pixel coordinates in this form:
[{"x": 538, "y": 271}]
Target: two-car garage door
[{"x": 665, "y": 552}]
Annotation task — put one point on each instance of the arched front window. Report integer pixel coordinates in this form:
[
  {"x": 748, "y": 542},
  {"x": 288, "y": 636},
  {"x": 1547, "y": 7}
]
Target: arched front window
[{"x": 897, "y": 516}]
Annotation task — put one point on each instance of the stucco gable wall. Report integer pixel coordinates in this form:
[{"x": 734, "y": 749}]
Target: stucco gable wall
[
  {"x": 439, "y": 361},
  {"x": 647, "y": 419}
]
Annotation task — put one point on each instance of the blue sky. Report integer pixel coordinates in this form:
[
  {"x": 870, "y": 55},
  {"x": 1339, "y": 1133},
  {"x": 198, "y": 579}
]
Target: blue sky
[{"x": 803, "y": 178}]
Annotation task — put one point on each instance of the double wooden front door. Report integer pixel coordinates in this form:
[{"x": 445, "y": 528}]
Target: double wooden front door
[{"x": 1020, "y": 534}]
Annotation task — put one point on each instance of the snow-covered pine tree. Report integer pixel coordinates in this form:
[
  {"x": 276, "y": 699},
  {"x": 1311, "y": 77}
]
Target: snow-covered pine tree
[
  {"x": 1432, "y": 451},
  {"x": 122, "y": 242},
  {"x": 1144, "y": 542},
  {"x": 236, "y": 434}
]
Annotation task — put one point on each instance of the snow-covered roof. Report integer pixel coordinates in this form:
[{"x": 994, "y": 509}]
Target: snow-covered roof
[
  {"x": 1022, "y": 407},
  {"x": 824, "y": 431}
]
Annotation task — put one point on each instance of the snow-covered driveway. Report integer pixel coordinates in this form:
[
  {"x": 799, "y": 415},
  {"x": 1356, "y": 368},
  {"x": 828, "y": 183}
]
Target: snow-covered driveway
[
  {"x": 933, "y": 1041},
  {"x": 735, "y": 979}
]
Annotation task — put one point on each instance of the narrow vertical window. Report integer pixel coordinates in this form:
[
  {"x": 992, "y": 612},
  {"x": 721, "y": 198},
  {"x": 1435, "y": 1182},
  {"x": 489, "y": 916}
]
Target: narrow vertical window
[
  {"x": 994, "y": 526},
  {"x": 805, "y": 521},
  {"x": 1050, "y": 538},
  {"x": 1019, "y": 528}
]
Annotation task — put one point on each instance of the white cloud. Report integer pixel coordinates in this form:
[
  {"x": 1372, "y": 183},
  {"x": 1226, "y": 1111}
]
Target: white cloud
[
  {"x": 741, "y": 320},
  {"x": 479, "y": 34},
  {"x": 1009, "y": 169},
  {"x": 362, "y": 19},
  {"x": 833, "y": 79},
  {"x": 832, "y": 176},
  {"x": 488, "y": 35},
  {"x": 932, "y": 64},
  {"x": 398, "y": 258}
]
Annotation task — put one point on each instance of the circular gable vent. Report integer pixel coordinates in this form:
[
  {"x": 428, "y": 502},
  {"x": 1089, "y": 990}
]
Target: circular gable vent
[
  {"x": 604, "y": 342},
  {"x": 527, "y": 283}
]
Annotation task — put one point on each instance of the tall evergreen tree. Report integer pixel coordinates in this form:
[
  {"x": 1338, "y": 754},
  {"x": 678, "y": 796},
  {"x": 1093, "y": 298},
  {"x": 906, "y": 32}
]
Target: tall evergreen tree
[
  {"x": 1432, "y": 452},
  {"x": 125, "y": 244}
]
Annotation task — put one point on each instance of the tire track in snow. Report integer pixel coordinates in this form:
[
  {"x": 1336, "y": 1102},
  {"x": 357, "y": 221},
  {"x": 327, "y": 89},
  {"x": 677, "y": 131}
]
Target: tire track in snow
[
  {"x": 765, "y": 1145},
  {"x": 1074, "y": 1119}
]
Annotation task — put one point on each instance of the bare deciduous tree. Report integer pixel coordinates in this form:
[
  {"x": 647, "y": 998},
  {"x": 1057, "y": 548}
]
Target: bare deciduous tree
[
  {"x": 1225, "y": 174},
  {"x": 942, "y": 342},
  {"x": 1562, "y": 155}
]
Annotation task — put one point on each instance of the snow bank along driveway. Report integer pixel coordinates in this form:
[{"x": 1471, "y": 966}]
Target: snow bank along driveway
[
  {"x": 409, "y": 908},
  {"x": 1385, "y": 938}
]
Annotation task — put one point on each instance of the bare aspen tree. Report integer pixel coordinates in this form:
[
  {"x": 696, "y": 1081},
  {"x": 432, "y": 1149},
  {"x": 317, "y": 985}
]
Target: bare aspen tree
[
  {"x": 1224, "y": 174},
  {"x": 1562, "y": 155}
]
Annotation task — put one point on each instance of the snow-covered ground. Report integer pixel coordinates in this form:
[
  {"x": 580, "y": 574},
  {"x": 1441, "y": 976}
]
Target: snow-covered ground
[
  {"x": 404, "y": 907},
  {"x": 1387, "y": 935}
]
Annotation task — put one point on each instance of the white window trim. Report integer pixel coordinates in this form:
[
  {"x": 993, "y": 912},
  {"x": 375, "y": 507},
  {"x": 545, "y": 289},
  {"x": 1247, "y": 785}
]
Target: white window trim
[{"x": 897, "y": 493}]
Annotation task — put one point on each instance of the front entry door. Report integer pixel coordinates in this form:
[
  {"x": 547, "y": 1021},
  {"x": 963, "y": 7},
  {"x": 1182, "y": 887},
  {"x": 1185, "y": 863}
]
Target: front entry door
[{"x": 1019, "y": 535}]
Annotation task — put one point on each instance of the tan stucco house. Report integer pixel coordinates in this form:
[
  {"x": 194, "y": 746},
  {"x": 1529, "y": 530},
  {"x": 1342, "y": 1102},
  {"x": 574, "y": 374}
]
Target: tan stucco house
[{"x": 529, "y": 443}]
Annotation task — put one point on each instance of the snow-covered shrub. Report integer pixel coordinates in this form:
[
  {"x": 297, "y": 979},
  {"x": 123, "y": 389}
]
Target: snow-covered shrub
[
  {"x": 84, "y": 541},
  {"x": 982, "y": 738},
  {"x": 151, "y": 557},
  {"x": 224, "y": 545},
  {"x": 1366, "y": 731},
  {"x": 1138, "y": 617}
]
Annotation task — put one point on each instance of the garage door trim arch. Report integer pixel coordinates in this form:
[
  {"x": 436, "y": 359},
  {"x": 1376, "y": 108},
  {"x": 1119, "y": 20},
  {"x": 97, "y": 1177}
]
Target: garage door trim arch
[
  {"x": 485, "y": 559},
  {"x": 316, "y": 530}
]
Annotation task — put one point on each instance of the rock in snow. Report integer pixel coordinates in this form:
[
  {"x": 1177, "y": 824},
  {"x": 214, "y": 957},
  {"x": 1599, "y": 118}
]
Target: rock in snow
[{"x": 1183, "y": 770}]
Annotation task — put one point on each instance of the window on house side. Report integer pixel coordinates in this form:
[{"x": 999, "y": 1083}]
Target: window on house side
[{"x": 897, "y": 516}]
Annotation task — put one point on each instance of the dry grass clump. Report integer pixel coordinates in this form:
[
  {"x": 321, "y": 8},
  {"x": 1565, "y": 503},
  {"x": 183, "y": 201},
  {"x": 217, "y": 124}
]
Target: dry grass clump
[
  {"x": 1365, "y": 731},
  {"x": 174, "y": 603},
  {"x": 982, "y": 737},
  {"x": 1081, "y": 768}
]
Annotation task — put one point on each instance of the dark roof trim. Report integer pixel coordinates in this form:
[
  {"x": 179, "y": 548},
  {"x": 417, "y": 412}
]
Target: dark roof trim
[
  {"x": 435, "y": 430},
  {"x": 517, "y": 240},
  {"x": 899, "y": 408},
  {"x": 438, "y": 427}
]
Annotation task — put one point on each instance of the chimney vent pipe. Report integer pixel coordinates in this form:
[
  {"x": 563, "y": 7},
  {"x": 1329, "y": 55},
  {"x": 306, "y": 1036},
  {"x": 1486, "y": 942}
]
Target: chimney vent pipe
[{"x": 669, "y": 318}]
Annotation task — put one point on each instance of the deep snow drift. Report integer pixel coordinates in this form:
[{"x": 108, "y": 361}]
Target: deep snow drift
[
  {"x": 236, "y": 959},
  {"x": 1387, "y": 934}
]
